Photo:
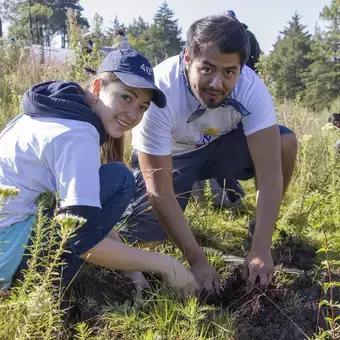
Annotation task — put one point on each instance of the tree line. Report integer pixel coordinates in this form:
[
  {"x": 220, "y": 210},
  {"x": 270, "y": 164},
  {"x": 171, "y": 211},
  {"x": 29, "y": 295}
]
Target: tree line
[
  {"x": 301, "y": 64},
  {"x": 307, "y": 66}
]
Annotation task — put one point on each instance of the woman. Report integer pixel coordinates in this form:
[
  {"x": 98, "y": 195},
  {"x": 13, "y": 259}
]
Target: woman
[{"x": 54, "y": 145}]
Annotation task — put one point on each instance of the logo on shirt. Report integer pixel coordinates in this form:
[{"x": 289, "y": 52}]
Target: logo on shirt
[
  {"x": 204, "y": 139},
  {"x": 212, "y": 132},
  {"x": 207, "y": 136}
]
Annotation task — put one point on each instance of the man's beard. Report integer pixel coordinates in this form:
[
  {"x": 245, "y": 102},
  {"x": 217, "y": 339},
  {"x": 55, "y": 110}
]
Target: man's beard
[{"x": 209, "y": 104}]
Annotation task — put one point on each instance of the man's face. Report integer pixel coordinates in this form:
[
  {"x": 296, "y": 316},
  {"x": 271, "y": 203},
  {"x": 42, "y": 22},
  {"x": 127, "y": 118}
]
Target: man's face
[{"x": 213, "y": 75}]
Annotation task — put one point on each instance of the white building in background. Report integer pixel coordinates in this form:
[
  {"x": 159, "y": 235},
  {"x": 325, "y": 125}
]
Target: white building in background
[
  {"x": 51, "y": 54},
  {"x": 59, "y": 55}
]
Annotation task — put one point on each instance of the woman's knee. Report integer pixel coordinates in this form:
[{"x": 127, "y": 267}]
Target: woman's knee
[{"x": 117, "y": 175}]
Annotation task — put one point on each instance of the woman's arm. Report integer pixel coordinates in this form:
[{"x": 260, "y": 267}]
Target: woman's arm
[{"x": 113, "y": 254}]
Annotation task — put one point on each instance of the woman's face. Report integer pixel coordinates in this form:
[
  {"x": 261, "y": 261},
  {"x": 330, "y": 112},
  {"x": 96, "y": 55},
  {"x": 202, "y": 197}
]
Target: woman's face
[{"x": 120, "y": 107}]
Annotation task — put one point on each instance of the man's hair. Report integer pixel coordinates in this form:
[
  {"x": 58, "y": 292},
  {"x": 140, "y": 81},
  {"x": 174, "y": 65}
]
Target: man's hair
[
  {"x": 333, "y": 118},
  {"x": 223, "y": 33}
]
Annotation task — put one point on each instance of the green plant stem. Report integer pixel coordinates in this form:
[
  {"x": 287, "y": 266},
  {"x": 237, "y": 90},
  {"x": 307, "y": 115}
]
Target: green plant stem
[{"x": 330, "y": 280}]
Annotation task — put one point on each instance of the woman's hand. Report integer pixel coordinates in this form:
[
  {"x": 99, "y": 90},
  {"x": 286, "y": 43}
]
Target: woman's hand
[{"x": 180, "y": 278}]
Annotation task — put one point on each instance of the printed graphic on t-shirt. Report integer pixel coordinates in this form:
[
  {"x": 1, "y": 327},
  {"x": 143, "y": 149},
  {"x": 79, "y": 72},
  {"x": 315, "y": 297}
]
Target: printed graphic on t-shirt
[
  {"x": 212, "y": 131},
  {"x": 205, "y": 140},
  {"x": 208, "y": 132},
  {"x": 207, "y": 136}
]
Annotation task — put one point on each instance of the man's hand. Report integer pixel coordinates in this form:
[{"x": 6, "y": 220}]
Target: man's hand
[
  {"x": 258, "y": 264},
  {"x": 207, "y": 277}
]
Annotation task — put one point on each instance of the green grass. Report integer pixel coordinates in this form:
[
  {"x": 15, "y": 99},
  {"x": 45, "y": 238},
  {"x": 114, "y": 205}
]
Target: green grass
[{"x": 105, "y": 306}]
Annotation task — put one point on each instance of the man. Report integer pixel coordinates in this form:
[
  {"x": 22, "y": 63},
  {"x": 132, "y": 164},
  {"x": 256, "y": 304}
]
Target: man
[
  {"x": 254, "y": 46},
  {"x": 225, "y": 192},
  {"x": 219, "y": 122}
]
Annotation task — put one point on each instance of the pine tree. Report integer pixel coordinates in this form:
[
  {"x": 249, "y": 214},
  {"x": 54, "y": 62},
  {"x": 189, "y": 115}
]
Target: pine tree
[
  {"x": 323, "y": 77},
  {"x": 159, "y": 40},
  {"x": 36, "y": 21},
  {"x": 137, "y": 28},
  {"x": 289, "y": 60},
  {"x": 97, "y": 29},
  {"x": 150, "y": 44},
  {"x": 30, "y": 19},
  {"x": 59, "y": 19},
  {"x": 332, "y": 36},
  {"x": 168, "y": 27}
]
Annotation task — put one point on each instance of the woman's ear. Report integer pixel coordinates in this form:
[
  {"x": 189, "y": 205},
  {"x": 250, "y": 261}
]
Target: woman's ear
[
  {"x": 96, "y": 85},
  {"x": 187, "y": 58}
]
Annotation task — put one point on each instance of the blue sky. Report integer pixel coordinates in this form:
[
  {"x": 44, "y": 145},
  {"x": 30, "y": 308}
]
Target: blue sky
[{"x": 265, "y": 18}]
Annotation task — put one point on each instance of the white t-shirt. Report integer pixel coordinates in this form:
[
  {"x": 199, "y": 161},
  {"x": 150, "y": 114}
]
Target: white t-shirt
[
  {"x": 48, "y": 154},
  {"x": 166, "y": 131}
]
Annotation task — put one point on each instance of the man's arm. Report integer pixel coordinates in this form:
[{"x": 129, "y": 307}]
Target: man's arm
[
  {"x": 265, "y": 150},
  {"x": 157, "y": 173}
]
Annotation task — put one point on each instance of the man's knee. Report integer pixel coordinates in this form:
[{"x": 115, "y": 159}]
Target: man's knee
[{"x": 289, "y": 145}]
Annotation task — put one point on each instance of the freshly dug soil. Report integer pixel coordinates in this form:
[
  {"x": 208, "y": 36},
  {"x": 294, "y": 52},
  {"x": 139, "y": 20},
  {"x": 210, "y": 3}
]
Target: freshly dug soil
[
  {"x": 288, "y": 308},
  {"x": 274, "y": 313}
]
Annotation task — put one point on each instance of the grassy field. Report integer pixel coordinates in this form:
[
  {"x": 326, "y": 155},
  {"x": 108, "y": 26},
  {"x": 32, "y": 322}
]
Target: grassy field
[{"x": 298, "y": 304}]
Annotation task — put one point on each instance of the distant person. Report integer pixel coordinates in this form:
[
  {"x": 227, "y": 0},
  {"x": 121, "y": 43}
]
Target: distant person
[
  {"x": 86, "y": 43},
  {"x": 86, "y": 46},
  {"x": 334, "y": 119},
  {"x": 12, "y": 42},
  {"x": 120, "y": 40},
  {"x": 89, "y": 46},
  {"x": 255, "y": 50}
]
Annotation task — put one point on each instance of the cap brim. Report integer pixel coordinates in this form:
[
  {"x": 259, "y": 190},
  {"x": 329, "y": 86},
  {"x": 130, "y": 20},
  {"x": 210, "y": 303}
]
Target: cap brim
[{"x": 133, "y": 80}]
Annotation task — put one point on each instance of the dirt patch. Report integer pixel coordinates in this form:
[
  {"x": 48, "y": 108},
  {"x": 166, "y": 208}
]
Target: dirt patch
[
  {"x": 277, "y": 312},
  {"x": 288, "y": 308},
  {"x": 292, "y": 252}
]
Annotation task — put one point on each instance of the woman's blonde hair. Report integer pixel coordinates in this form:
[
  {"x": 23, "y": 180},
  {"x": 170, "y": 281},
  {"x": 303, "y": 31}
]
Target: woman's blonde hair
[{"x": 113, "y": 148}]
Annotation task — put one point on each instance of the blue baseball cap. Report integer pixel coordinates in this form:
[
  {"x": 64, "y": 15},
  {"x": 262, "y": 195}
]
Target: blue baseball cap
[
  {"x": 231, "y": 13},
  {"x": 134, "y": 70}
]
